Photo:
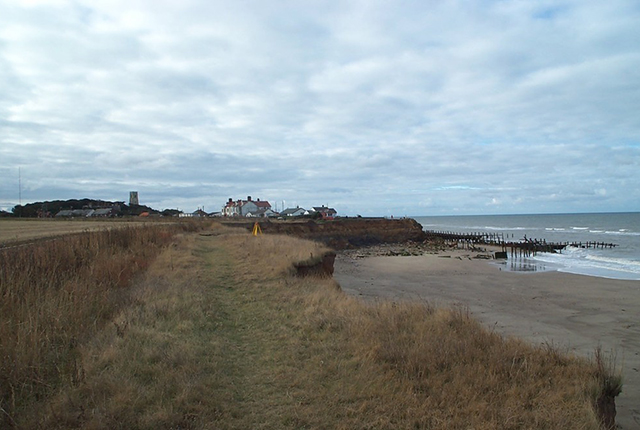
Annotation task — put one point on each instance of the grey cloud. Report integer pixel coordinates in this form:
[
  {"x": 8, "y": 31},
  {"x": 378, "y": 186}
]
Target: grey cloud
[{"x": 371, "y": 106}]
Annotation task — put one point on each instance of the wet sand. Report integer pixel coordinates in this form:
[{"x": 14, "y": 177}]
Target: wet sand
[{"x": 573, "y": 312}]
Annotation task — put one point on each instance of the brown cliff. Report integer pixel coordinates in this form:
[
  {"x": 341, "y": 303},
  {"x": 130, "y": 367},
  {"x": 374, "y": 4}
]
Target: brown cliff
[
  {"x": 344, "y": 233},
  {"x": 319, "y": 267}
]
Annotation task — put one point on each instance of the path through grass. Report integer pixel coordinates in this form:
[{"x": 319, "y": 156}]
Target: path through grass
[{"x": 221, "y": 336}]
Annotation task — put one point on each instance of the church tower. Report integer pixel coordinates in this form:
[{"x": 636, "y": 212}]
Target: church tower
[{"x": 133, "y": 198}]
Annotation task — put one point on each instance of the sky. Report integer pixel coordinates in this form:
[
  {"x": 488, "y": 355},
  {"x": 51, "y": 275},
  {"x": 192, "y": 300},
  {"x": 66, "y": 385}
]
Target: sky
[{"x": 375, "y": 108}]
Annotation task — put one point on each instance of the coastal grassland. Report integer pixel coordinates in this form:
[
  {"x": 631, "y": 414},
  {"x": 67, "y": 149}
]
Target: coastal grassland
[
  {"x": 221, "y": 334},
  {"x": 20, "y": 230},
  {"x": 55, "y": 295}
]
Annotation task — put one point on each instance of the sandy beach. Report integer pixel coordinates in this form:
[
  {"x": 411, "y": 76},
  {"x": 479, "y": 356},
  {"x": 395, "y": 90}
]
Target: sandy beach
[{"x": 573, "y": 312}]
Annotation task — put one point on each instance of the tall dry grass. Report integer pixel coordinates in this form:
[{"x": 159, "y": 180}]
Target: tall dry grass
[
  {"x": 57, "y": 293},
  {"x": 219, "y": 334},
  {"x": 459, "y": 373}
]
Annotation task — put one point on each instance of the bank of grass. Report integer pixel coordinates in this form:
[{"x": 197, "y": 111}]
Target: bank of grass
[
  {"x": 219, "y": 334},
  {"x": 55, "y": 295}
]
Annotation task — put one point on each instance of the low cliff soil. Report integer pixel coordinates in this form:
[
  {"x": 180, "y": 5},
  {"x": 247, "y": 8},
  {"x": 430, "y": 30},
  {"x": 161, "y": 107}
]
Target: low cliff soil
[
  {"x": 343, "y": 233},
  {"x": 317, "y": 267}
]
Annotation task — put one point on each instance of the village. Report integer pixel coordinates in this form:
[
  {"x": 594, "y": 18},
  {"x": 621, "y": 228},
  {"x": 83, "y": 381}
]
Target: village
[
  {"x": 239, "y": 208},
  {"x": 262, "y": 208}
]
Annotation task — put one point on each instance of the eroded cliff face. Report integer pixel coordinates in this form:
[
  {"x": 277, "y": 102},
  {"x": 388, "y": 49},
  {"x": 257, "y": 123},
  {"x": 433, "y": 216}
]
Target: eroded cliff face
[
  {"x": 321, "y": 267},
  {"x": 345, "y": 233}
]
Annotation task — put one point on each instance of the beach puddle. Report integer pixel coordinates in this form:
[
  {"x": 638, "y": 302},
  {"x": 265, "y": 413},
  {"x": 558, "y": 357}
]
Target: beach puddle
[{"x": 525, "y": 265}]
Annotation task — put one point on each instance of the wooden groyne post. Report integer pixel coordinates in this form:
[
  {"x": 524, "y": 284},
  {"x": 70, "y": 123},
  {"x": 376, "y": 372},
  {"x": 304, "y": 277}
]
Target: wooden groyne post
[{"x": 601, "y": 245}]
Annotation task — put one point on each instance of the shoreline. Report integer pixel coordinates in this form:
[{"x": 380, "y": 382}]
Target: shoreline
[{"x": 575, "y": 313}]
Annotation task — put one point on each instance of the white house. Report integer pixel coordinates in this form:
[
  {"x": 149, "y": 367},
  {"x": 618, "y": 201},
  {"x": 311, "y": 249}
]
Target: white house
[
  {"x": 246, "y": 207},
  {"x": 298, "y": 211},
  {"x": 261, "y": 213}
]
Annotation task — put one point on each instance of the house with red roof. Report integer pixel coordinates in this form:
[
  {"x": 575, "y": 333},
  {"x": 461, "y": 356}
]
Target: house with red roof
[
  {"x": 248, "y": 207},
  {"x": 325, "y": 212}
]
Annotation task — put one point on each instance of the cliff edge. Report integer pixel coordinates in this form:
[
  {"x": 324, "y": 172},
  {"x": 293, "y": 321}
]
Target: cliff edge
[{"x": 343, "y": 233}]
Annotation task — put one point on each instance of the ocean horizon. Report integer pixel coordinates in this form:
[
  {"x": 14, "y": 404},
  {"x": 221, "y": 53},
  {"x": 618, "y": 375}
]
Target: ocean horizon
[{"x": 619, "y": 228}]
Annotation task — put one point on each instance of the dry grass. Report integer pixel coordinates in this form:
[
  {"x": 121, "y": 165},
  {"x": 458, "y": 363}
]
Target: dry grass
[
  {"x": 54, "y": 295},
  {"x": 219, "y": 335},
  {"x": 20, "y": 230}
]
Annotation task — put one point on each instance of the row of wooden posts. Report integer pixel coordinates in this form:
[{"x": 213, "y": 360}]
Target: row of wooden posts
[{"x": 524, "y": 248}]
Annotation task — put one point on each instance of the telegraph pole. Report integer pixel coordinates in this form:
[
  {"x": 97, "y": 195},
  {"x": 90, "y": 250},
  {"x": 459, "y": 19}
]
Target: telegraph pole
[{"x": 20, "y": 190}]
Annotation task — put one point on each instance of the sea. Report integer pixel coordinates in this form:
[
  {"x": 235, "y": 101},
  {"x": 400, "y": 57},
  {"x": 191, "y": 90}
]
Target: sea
[{"x": 621, "y": 229}]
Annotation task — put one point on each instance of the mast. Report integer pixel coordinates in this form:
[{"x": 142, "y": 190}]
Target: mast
[{"x": 20, "y": 189}]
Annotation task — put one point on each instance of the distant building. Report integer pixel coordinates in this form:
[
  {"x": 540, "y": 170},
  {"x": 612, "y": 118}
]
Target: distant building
[
  {"x": 133, "y": 199},
  {"x": 325, "y": 212},
  {"x": 231, "y": 209},
  {"x": 88, "y": 212},
  {"x": 242, "y": 208},
  {"x": 294, "y": 212},
  {"x": 104, "y": 212},
  {"x": 261, "y": 213},
  {"x": 65, "y": 213},
  {"x": 75, "y": 213}
]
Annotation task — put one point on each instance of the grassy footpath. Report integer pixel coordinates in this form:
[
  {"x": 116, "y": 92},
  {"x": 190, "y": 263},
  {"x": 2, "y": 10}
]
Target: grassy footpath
[{"x": 219, "y": 335}]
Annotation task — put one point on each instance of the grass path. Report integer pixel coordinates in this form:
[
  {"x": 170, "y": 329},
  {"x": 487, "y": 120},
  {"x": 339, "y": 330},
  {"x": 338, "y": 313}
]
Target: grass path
[
  {"x": 245, "y": 328},
  {"x": 212, "y": 340},
  {"x": 273, "y": 361}
]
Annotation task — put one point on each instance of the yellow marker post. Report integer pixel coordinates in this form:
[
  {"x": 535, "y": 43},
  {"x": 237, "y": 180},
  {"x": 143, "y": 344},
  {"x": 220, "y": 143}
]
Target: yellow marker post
[{"x": 256, "y": 229}]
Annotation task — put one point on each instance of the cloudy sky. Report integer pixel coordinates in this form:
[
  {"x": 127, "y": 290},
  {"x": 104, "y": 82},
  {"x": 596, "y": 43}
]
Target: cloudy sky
[{"x": 372, "y": 107}]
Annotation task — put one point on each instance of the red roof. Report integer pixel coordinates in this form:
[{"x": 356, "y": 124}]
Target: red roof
[{"x": 259, "y": 203}]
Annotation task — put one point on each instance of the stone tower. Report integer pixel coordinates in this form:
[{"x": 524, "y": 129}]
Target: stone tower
[{"x": 133, "y": 198}]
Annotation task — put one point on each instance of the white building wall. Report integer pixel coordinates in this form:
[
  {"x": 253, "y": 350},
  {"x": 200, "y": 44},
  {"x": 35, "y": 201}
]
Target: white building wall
[{"x": 248, "y": 207}]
